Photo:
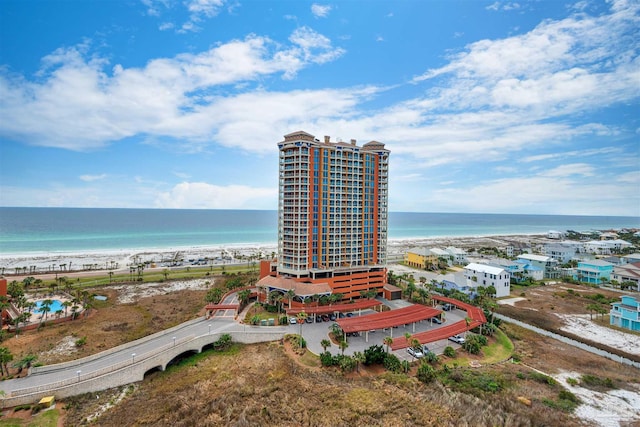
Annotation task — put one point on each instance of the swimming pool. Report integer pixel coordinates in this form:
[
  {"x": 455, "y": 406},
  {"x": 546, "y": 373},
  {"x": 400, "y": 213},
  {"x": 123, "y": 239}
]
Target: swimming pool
[{"x": 55, "y": 306}]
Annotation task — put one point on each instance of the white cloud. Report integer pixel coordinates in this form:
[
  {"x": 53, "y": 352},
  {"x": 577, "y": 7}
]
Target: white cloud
[
  {"x": 90, "y": 178},
  {"x": 168, "y": 97},
  {"x": 201, "y": 195},
  {"x": 204, "y": 8},
  {"x": 570, "y": 169},
  {"x": 534, "y": 194},
  {"x": 320, "y": 11}
]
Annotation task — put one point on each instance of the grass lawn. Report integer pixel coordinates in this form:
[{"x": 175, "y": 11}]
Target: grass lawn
[
  {"x": 497, "y": 351},
  {"x": 43, "y": 419}
]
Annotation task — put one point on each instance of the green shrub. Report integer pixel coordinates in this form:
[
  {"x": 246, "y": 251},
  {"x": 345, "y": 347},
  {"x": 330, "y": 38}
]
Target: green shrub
[
  {"x": 593, "y": 381},
  {"x": 392, "y": 363},
  {"x": 431, "y": 357},
  {"x": 81, "y": 342},
  {"x": 542, "y": 378},
  {"x": 449, "y": 352},
  {"x": 572, "y": 381},
  {"x": 374, "y": 355},
  {"x": 426, "y": 373},
  {"x": 326, "y": 359}
]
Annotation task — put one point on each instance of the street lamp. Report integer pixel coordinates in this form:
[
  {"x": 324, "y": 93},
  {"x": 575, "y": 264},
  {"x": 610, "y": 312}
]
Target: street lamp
[
  {"x": 78, "y": 372},
  {"x": 174, "y": 341},
  {"x": 133, "y": 358}
]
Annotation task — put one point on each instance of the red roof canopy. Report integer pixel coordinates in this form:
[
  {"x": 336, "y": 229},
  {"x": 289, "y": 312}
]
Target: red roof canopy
[
  {"x": 388, "y": 319},
  {"x": 325, "y": 309},
  {"x": 476, "y": 318}
]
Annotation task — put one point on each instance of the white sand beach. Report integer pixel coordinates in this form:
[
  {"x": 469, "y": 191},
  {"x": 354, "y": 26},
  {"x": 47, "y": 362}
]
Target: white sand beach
[{"x": 21, "y": 265}]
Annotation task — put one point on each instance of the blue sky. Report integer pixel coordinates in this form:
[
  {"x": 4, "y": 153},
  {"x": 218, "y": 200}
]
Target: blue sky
[{"x": 486, "y": 106}]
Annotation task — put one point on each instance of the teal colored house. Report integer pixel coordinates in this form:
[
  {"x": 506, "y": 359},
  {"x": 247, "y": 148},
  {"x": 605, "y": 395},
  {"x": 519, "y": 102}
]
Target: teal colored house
[
  {"x": 593, "y": 271},
  {"x": 626, "y": 314}
]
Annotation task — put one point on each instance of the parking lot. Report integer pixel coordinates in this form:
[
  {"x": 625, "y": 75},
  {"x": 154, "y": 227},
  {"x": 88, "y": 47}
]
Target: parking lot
[{"x": 314, "y": 333}]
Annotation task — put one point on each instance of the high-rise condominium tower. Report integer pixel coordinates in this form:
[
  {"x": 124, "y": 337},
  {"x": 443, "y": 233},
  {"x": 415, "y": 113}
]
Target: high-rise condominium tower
[{"x": 332, "y": 212}]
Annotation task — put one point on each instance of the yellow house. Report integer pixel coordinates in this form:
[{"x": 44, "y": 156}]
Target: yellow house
[{"x": 420, "y": 258}]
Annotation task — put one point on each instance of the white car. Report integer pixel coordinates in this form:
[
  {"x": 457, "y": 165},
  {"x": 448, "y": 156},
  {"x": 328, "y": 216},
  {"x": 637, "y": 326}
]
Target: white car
[
  {"x": 293, "y": 321},
  {"x": 458, "y": 339},
  {"x": 415, "y": 352}
]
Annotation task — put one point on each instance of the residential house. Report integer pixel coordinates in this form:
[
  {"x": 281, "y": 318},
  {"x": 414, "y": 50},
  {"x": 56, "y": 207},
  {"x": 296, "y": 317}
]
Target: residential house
[
  {"x": 563, "y": 252},
  {"x": 420, "y": 258},
  {"x": 594, "y": 272},
  {"x": 605, "y": 247},
  {"x": 631, "y": 258},
  {"x": 626, "y": 313},
  {"x": 459, "y": 255},
  {"x": 442, "y": 254},
  {"x": 627, "y": 273},
  {"x": 556, "y": 235},
  {"x": 547, "y": 264},
  {"x": 486, "y": 275}
]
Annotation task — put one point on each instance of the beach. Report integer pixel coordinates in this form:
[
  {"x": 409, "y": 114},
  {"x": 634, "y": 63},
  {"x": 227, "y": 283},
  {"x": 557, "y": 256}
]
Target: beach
[{"x": 96, "y": 262}]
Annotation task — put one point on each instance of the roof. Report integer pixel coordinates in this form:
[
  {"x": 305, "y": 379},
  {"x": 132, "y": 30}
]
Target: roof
[
  {"x": 387, "y": 319},
  {"x": 326, "y": 309},
  {"x": 532, "y": 257},
  {"x": 300, "y": 288},
  {"x": 484, "y": 268},
  {"x": 476, "y": 318},
  {"x": 596, "y": 262}
]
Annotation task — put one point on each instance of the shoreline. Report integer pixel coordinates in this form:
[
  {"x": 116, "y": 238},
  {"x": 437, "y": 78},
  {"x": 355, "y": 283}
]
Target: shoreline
[{"x": 234, "y": 253}]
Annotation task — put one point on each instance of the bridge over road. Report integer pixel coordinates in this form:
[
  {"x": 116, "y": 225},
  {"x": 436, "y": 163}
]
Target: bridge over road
[{"x": 129, "y": 362}]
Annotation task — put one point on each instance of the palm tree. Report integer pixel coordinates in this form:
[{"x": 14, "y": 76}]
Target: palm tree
[
  {"x": 66, "y": 305},
  {"x": 25, "y": 363},
  {"x": 301, "y": 317},
  {"x": 343, "y": 346},
  {"x": 4, "y": 304},
  {"x": 5, "y": 358},
  {"x": 290, "y": 294},
  {"x": 423, "y": 294},
  {"x": 244, "y": 295},
  {"x": 325, "y": 343},
  {"x": 45, "y": 308},
  {"x": 388, "y": 341},
  {"x": 359, "y": 358}
]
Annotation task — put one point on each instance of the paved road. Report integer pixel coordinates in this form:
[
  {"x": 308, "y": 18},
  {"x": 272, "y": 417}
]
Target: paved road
[{"x": 136, "y": 350}]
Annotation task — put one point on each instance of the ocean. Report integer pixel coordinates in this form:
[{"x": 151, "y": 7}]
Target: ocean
[{"x": 37, "y": 230}]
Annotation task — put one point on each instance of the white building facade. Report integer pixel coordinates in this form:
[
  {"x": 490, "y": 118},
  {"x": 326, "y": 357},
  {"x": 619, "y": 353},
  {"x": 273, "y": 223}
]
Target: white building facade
[{"x": 486, "y": 275}]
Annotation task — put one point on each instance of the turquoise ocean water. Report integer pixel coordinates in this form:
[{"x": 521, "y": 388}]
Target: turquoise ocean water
[{"x": 32, "y": 230}]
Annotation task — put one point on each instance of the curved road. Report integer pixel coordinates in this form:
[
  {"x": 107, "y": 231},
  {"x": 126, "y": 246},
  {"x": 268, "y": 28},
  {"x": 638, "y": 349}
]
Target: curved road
[{"x": 222, "y": 322}]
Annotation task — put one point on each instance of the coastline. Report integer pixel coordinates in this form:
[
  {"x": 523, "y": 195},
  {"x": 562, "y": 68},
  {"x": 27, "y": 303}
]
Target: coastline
[{"x": 74, "y": 261}]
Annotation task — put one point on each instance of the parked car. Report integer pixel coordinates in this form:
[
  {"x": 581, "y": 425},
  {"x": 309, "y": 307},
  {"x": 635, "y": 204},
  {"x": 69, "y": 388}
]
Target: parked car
[
  {"x": 415, "y": 352},
  {"x": 436, "y": 320},
  {"x": 448, "y": 307},
  {"x": 458, "y": 339},
  {"x": 332, "y": 317},
  {"x": 318, "y": 318},
  {"x": 425, "y": 349},
  {"x": 349, "y": 314},
  {"x": 293, "y": 320},
  {"x": 309, "y": 319},
  {"x": 325, "y": 318}
]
